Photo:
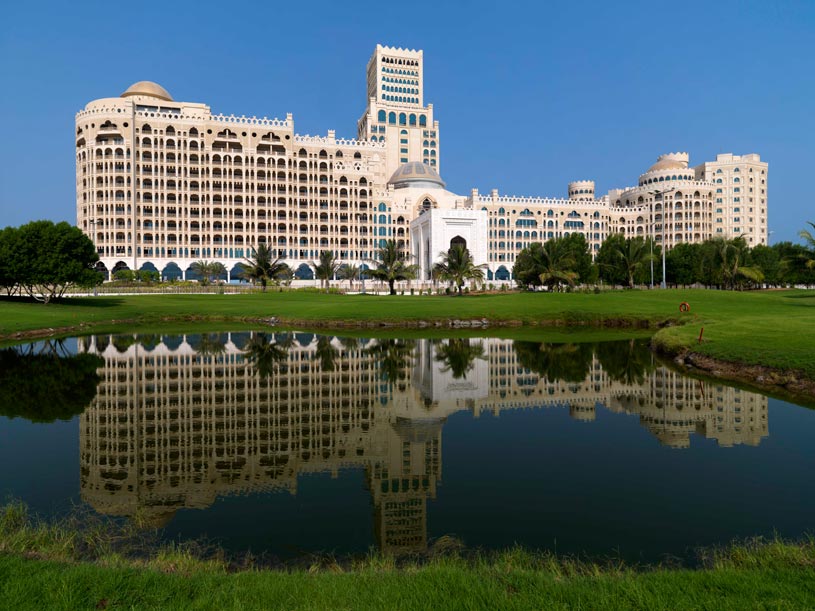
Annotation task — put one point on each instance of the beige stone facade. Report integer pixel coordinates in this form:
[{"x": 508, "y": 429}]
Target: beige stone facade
[{"x": 161, "y": 184}]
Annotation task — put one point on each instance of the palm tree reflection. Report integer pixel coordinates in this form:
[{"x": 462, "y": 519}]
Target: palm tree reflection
[
  {"x": 394, "y": 357},
  {"x": 626, "y": 362},
  {"x": 459, "y": 355},
  {"x": 567, "y": 362},
  {"x": 268, "y": 352}
]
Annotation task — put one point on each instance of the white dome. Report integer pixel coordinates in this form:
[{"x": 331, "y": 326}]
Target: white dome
[
  {"x": 416, "y": 174},
  {"x": 148, "y": 88}
]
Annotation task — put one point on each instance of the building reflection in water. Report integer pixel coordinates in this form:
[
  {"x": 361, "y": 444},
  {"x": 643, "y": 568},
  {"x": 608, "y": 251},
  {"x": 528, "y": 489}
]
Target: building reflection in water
[{"x": 178, "y": 421}]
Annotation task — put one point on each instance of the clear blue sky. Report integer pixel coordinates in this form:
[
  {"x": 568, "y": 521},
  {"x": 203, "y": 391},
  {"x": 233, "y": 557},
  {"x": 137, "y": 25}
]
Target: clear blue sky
[{"x": 528, "y": 95}]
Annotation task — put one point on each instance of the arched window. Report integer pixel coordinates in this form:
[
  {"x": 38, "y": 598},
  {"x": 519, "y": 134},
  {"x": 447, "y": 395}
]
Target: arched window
[
  {"x": 382, "y": 116},
  {"x": 422, "y": 121},
  {"x": 412, "y": 119},
  {"x": 392, "y": 118},
  {"x": 402, "y": 118}
]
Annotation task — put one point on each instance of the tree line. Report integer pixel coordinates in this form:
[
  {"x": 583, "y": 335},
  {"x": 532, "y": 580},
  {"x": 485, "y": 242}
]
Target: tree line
[{"x": 718, "y": 262}]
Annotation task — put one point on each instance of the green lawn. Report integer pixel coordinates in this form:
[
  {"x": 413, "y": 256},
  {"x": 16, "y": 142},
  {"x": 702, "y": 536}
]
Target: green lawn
[
  {"x": 774, "y": 328},
  {"x": 441, "y": 584}
]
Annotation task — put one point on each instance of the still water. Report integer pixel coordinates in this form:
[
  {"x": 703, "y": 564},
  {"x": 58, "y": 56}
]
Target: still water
[{"x": 294, "y": 443}]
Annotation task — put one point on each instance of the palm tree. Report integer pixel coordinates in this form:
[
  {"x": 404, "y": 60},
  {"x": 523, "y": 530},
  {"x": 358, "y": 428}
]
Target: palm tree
[
  {"x": 457, "y": 267},
  {"x": 632, "y": 255},
  {"x": 809, "y": 238},
  {"x": 261, "y": 268},
  {"x": 208, "y": 270},
  {"x": 267, "y": 352},
  {"x": 458, "y": 355},
  {"x": 730, "y": 255},
  {"x": 326, "y": 268},
  {"x": 351, "y": 273},
  {"x": 392, "y": 265},
  {"x": 557, "y": 261}
]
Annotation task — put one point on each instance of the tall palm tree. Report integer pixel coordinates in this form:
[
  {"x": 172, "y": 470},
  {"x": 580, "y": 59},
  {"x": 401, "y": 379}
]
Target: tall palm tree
[
  {"x": 730, "y": 255},
  {"x": 351, "y": 273},
  {"x": 457, "y": 267},
  {"x": 392, "y": 265},
  {"x": 809, "y": 238},
  {"x": 557, "y": 263},
  {"x": 326, "y": 267},
  {"x": 459, "y": 355},
  {"x": 260, "y": 267},
  {"x": 632, "y": 255}
]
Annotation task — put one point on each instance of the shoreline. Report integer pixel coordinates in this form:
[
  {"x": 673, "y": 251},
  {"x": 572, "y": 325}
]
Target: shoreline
[{"x": 788, "y": 384}]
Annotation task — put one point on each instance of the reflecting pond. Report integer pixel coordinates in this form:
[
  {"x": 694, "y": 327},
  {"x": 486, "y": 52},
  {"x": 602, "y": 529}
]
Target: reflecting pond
[{"x": 286, "y": 443}]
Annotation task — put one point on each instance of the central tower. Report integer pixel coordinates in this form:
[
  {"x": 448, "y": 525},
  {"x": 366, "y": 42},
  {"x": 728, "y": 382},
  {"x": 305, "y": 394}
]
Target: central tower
[{"x": 396, "y": 113}]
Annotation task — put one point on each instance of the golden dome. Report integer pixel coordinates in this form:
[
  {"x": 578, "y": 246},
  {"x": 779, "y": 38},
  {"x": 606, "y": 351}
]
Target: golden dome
[{"x": 148, "y": 88}]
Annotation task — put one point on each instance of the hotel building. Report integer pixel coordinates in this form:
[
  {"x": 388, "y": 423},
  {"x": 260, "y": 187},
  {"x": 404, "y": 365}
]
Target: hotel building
[{"x": 161, "y": 184}]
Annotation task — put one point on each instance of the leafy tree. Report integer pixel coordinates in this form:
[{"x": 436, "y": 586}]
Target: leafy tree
[
  {"x": 607, "y": 260},
  {"x": 44, "y": 259},
  {"x": 44, "y": 386},
  {"x": 392, "y": 266},
  {"x": 529, "y": 266},
  {"x": 458, "y": 355},
  {"x": 9, "y": 274},
  {"x": 457, "y": 267},
  {"x": 326, "y": 268},
  {"x": 260, "y": 267},
  {"x": 682, "y": 264},
  {"x": 768, "y": 261},
  {"x": 794, "y": 268},
  {"x": 576, "y": 244}
]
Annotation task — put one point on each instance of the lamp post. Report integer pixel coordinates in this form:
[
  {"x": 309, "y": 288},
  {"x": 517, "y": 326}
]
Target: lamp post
[{"x": 662, "y": 193}]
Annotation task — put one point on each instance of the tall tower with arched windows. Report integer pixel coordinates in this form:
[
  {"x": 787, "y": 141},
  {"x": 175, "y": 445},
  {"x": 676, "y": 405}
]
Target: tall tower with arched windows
[{"x": 396, "y": 114}]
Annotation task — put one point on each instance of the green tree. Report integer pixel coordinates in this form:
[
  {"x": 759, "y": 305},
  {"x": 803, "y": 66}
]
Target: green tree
[
  {"x": 809, "y": 238},
  {"x": 626, "y": 361},
  {"x": 730, "y": 257},
  {"x": 578, "y": 247},
  {"x": 768, "y": 261},
  {"x": 457, "y": 267},
  {"x": 607, "y": 260},
  {"x": 350, "y": 272},
  {"x": 458, "y": 355},
  {"x": 682, "y": 264},
  {"x": 9, "y": 273},
  {"x": 47, "y": 258},
  {"x": 326, "y": 268},
  {"x": 208, "y": 270},
  {"x": 260, "y": 267},
  {"x": 392, "y": 266},
  {"x": 629, "y": 258}
]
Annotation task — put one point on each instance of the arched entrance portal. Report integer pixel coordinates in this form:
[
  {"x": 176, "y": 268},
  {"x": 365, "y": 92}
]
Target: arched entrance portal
[{"x": 458, "y": 241}]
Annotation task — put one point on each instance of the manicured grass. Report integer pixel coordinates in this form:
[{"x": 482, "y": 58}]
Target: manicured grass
[
  {"x": 446, "y": 584},
  {"x": 79, "y": 565},
  {"x": 773, "y": 328}
]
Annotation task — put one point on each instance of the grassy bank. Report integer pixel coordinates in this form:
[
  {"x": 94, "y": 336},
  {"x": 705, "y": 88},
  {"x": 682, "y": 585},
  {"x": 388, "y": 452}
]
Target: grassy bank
[
  {"x": 57, "y": 567},
  {"x": 772, "y": 328}
]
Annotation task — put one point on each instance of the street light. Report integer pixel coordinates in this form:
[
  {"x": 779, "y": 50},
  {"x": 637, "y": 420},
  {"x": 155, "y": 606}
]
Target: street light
[{"x": 662, "y": 193}]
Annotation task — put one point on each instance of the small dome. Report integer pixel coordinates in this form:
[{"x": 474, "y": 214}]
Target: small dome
[
  {"x": 416, "y": 174},
  {"x": 148, "y": 88}
]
